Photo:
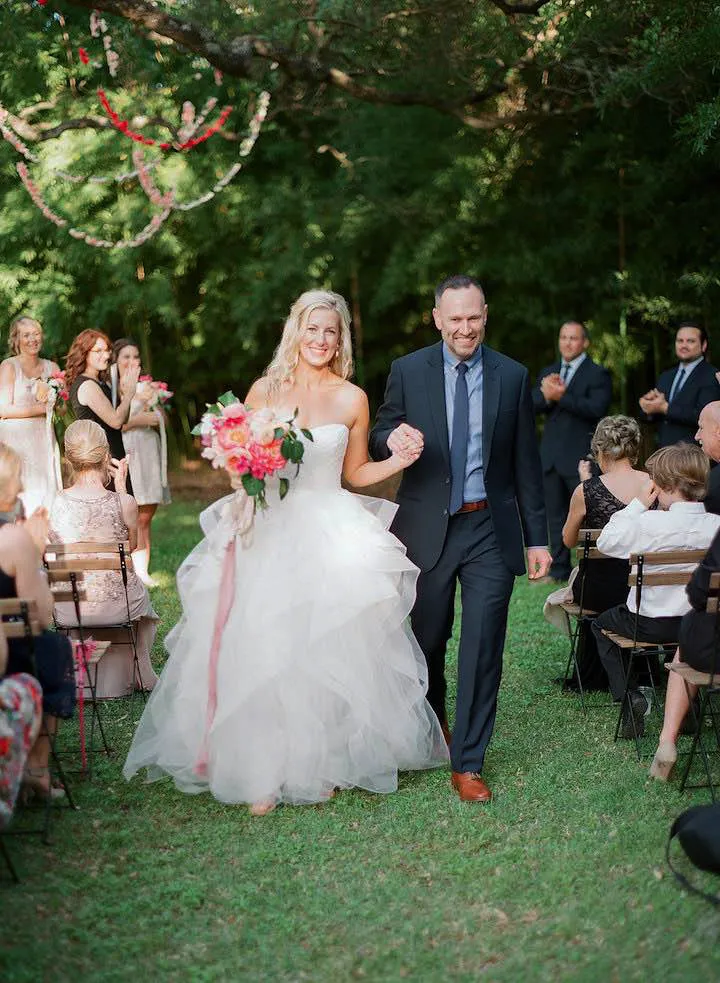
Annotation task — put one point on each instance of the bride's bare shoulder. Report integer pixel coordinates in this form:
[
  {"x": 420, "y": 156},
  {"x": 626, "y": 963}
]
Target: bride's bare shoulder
[{"x": 258, "y": 393}]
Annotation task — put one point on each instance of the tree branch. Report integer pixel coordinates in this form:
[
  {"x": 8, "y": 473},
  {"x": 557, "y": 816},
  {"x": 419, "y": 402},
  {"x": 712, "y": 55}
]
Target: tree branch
[{"x": 521, "y": 7}]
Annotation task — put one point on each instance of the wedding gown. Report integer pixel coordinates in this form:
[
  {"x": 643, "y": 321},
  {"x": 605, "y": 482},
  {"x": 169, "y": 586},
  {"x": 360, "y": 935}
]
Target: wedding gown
[{"x": 320, "y": 683}]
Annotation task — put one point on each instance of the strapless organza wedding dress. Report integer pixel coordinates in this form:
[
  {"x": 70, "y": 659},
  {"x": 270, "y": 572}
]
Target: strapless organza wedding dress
[{"x": 320, "y": 683}]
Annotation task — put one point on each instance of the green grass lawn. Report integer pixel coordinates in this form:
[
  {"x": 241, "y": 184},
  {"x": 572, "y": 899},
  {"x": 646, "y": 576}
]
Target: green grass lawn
[{"x": 562, "y": 877}]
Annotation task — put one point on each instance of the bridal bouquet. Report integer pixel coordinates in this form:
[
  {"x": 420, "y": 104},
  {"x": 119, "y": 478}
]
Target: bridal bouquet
[
  {"x": 153, "y": 392},
  {"x": 251, "y": 445}
]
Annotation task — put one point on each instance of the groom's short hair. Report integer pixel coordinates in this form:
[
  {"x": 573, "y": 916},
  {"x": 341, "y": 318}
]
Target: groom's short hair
[{"x": 457, "y": 282}]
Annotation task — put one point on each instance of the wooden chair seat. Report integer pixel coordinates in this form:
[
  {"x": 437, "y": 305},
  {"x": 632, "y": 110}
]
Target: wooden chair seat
[
  {"x": 627, "y": 643},
  {"x": 693, "y": 676},
  {"x": 574, "y": 610}
]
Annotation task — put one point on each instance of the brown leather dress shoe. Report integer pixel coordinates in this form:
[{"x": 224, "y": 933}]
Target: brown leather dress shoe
[
  {"x": 446, "y": 732},
  {"x": 470, "y": 787}
]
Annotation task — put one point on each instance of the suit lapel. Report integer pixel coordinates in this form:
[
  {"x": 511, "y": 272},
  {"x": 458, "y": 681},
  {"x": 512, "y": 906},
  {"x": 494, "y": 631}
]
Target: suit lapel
[
  {"x": 435, "y": 386},
  {"x": 491, "y": 400}
]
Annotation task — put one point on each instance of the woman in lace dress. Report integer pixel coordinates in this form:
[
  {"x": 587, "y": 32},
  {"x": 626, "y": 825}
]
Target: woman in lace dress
[
  {"x": 315, "y": 682},
  {"x": 146, "y": 447},
  {"x": 615, "y": 447},
  {"x": 25, "y": 415},
  {"x": 87, "y": 511},
  {"x": 86, "y": 369}
]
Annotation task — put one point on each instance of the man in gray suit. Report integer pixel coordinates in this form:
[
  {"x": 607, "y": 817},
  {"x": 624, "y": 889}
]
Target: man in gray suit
[{"x": 465, "y": 507}]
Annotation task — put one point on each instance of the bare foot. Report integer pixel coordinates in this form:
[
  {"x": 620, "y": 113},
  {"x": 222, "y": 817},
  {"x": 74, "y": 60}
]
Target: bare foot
[{"x": 261, "y": 808}]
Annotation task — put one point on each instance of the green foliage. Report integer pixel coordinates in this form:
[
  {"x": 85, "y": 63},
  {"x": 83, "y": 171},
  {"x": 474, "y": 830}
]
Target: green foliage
[{"x": 598, "y": 202}]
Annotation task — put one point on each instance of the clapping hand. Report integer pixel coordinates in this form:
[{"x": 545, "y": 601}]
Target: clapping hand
[
  {"x": 584, "y": 469},
  {"x": 119, "y": 473},
  {"x": 552, "y": 387},
  {"x": 37, "y": 525},
  {"x": 129, "y": 380},
  {"x": 653, "y": 402}
]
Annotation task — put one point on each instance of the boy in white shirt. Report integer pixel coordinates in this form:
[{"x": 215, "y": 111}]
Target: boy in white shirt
[{"x": 679, "y": 483}]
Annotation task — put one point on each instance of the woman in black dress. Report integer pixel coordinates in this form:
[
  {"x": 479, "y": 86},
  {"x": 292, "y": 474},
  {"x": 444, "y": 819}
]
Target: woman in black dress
[
  {"x": 615, "y": 447},
  {"x": 90, "y": 397}
]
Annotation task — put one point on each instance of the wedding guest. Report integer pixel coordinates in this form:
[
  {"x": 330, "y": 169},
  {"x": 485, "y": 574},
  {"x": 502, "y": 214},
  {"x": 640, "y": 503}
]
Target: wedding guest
[
  {"x": 674, "y": 405},
  {"x": 90, "y": 396},
  {"x": 20, "y": 718},
  {"x": 50, "y": 658},
  {"x": 698, "y": 648},
  {"x": 573, "y": 394},
  {"x": 146, "y": 447},
  {"x": 679, "y": 482},
  {"x": 25, "y": 420},
  {"x": 708, "y": 436},
  {"x": 615, "y": 447},
  {"x": 87, "y": 512}
]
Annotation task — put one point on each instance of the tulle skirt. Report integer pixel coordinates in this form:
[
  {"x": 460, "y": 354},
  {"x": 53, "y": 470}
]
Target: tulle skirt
[{"x": 320, "y": 683}]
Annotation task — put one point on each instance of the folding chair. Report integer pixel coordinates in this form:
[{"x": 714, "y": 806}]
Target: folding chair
[
  {"x": 67, "y": 564},
  {"x": 577, "y": 615},
  {"x": 641, "y": 577},
  {"x": 20, "y": 620},
  {"x": 709, "y": 686}
]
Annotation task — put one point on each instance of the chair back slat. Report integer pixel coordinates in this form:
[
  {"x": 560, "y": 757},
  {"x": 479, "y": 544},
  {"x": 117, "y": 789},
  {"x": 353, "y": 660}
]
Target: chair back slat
[
  {"x": 64, "y": 596},
  {"x": 74, "y": 564},
  {"x": 671, "y": 578},
  {"x": 61, "y": 577},
  {"x": 17, "y": 629},
  {"x": 668, "y": 558},
  {"x": 15, "y": 607},
  {"x": 63, "y": 549}
]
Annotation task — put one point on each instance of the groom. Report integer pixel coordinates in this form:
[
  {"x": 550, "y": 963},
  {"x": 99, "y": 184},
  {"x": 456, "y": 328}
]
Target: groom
[{"x": 465, "y": 507}]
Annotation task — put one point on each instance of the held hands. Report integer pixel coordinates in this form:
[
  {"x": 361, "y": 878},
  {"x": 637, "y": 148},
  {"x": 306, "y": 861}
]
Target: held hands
[
  {"x": 539, "y": 562},
  {"x": 406, "y": 445},
  {"x": 552, "y": 387}
]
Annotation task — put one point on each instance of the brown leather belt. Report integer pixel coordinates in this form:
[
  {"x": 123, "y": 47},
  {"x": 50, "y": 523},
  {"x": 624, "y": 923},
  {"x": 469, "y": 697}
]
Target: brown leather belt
[{"x": 473, "y": 507}]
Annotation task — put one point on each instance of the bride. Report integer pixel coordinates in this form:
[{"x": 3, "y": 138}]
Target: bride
[{"x": 320, "y": 683}]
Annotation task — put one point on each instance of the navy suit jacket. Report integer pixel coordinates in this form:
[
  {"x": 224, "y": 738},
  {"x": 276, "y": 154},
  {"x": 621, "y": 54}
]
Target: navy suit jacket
[
  {"x": 415, "y": 394},
  {"x": 681, "y": 420},
  {"x": 570, "y": 422}
]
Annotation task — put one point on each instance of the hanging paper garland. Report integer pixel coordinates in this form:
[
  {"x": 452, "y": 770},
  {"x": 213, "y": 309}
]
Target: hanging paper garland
[{"x": 123, "y": 126}]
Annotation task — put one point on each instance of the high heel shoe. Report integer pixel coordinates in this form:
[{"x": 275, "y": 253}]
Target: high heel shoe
[{"x": 664, "y": 761}]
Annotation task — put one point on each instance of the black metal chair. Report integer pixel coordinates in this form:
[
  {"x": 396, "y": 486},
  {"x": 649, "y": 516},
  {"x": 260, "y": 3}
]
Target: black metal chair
[{"x": 578, "y": 616}]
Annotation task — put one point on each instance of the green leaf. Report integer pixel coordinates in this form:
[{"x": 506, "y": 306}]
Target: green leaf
[
  {"x": 253, "y": 486},
  {"x": 284, "y": 488},
  {"x": 196, "y": 430},
  {"x": 306, "y": 433},
  {"x": 227, "y": 398}
]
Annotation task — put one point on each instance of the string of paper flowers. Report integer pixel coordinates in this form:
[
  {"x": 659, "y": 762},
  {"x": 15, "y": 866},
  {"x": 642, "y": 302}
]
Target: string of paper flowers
[{"x": 189, "y": 136}]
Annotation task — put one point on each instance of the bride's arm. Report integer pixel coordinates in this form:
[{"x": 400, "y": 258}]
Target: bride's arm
[
  {"x": 358, "y": 469},
  {"x": 257, "y": 396}
]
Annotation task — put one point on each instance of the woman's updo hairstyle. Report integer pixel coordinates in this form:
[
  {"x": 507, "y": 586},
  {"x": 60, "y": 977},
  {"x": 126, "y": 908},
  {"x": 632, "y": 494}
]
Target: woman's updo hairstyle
[
  {"x": 616, "y": 438},
  {"x": 86, "y": 448}
]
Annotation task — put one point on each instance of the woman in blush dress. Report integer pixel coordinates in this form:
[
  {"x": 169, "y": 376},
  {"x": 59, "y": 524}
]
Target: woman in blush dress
[
  {"x": 146, "y": 447},
  {"x": 90, "y": 396},
  {"x": 87, "y": 512},
  {"x": 26, "y": 415},
  {"x": 314, "y": 681}
]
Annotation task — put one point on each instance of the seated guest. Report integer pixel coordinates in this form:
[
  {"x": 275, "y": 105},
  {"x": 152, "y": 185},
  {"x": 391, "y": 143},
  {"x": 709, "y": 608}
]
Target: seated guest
[
  {"x": 679, "y": 482},
  {"x": 697, "y": 649},
  {"x": 50, "y": 658},
  {"x": 87, "y": 511},
  {"x": 20, "y": 717},
  {"x": 708, "y": 436},
  {"x": 615, "y": 447}
]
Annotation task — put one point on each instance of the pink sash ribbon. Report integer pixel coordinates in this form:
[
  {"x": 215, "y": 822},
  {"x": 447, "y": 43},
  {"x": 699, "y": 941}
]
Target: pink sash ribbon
[{"x": 222, "y": 613}]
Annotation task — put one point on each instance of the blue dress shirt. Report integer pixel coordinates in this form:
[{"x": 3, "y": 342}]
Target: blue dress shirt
[{"x": 474, "y": 477}]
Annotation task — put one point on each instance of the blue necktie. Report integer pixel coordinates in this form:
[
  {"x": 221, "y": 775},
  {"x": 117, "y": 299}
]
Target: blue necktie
[
  {"x": 677, "y": 383},
  {"x": 459, "y": 441}
]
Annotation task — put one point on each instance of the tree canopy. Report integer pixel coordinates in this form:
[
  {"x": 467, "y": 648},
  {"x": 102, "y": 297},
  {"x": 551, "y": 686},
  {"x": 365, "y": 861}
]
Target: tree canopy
[{"x": 566, "y": 153}]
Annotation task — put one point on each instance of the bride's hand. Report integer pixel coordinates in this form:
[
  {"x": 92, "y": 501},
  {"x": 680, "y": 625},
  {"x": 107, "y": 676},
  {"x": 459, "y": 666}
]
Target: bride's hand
[{"x": 406, "y": 457}]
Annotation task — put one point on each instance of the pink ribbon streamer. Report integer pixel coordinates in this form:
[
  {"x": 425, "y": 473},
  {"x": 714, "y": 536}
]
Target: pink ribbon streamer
[{"x": 225, "y": 601}]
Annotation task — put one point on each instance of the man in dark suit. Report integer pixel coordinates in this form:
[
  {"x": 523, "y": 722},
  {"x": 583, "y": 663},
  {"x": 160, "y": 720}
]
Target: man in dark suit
[
  {"x": 574, "y": 394},
  {"x": 708, "y": 436},
  {"x": 674, "y": 405},
  {"x": 465, "y": 507}
]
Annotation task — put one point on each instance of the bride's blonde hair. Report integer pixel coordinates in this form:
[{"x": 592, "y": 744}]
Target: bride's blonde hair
[{"x": 281, "y": 370}]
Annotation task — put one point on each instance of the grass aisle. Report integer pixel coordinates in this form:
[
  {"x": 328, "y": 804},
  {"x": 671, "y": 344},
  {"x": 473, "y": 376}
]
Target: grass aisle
[{"x": 561, "y": 878}]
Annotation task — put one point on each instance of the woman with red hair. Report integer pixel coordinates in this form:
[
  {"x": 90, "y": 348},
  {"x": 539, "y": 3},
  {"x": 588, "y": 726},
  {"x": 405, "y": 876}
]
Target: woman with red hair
[{"x": 90, "y": 397}]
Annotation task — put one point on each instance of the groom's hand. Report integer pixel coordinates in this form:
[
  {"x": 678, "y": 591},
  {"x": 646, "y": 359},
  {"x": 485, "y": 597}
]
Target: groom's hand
[
  {"x": 538, "y": 562},
  {"x": 406, "y": 440}
]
